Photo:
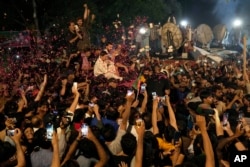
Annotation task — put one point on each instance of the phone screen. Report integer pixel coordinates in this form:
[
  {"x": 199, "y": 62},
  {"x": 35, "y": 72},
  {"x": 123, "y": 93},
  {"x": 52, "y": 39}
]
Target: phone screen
[
  {"x": 84, "y": 129},
  {"x": 49, "y": 131},
  {"x": 225, "y": 119},
  {"x": 143, "y": 88},
  {"x": 10, "y": 132},
  {"x": 129, "y": 92},
  {"x": 154, "y": 95}
]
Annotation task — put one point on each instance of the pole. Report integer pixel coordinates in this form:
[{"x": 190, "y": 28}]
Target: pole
[{"x": 244, "y": 56}]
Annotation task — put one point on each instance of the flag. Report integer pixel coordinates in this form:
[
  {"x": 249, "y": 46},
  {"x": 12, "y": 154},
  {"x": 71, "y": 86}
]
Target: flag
[{"x": 137, "y": 82}]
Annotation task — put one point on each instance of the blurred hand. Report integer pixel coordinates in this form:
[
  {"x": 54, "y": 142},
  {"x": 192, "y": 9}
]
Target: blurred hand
[
  {"x": 54, "y": 140},
  {"x": 239, "y": 130},
  {"x": 201, "y": 122},
  {"x": 123, "y": 164},
  {"x": 74, "y": 90},
  {"x": 17, "y": 135},
  {"x": 130, "y": 98},
  {"x": 140, "y": 129}
]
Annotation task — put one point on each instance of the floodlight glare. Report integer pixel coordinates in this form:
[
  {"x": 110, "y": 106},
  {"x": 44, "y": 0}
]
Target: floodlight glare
[
  {"x": 142, "y": 30},
  {"x": 237, "y": 23},
  {"x": 184, "y": 23}
]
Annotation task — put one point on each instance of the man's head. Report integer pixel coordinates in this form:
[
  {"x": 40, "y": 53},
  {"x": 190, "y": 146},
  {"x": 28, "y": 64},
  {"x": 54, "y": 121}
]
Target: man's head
[
  {"x": 71, "y": 25},
  {"x": 109, "y": 46},
  {"x": 104, "y": 55},
  {"x": 79, "y": 21},
  {"x": 206, "y": 97},
  {"x": 128, "y": 143}
]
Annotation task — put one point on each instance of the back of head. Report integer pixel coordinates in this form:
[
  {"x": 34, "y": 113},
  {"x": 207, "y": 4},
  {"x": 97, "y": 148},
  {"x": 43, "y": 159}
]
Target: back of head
[
  {"x": 128, "y": 143},
  {"x": 40, "y": 139},
  {"x": 108, "y": 132},
  {"x": 6, "y": 151},
  {"x": 71, "y": 163},
  {"x": 87, "y": 148},
  {"x": 147, "y": 117},
  {"x": 150, "y": 149}
]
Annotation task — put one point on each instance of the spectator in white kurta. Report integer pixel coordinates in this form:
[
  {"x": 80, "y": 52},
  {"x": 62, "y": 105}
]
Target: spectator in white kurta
[{"x": 102, "y": 67}]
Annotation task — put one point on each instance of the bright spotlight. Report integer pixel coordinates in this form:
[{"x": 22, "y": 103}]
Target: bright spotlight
[
  {"x": 184, "y": 23},
  {"x": 237, "y": 23},
  {"x": 142, "y": 30}
]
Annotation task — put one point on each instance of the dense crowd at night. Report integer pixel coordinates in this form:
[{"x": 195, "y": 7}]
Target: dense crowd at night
[{"x": 68, "y": 101}]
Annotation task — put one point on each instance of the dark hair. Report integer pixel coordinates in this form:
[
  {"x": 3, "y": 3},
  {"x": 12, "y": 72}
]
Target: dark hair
[
  {"x": 150, "y": 149},
  {"x": 71, "y": 163},
  {"x": 205, "y": 94},
  {"x": 103, "y": 53},
  {"x": 40, "y": 139},
  {"x": 108, "y": 132},
  {"x": 147, "y": 117},
  {"x": 87, "y": 148},
  {"x": 128, "y": 143},
  {"x": 6, "y": 150}
]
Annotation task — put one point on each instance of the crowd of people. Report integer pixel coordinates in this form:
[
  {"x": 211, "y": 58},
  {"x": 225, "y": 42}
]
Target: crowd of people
[{"x": 81, "y": 105}]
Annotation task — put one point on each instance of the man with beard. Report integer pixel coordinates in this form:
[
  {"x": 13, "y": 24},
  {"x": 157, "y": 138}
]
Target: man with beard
[{"x": 218, "y": 99}]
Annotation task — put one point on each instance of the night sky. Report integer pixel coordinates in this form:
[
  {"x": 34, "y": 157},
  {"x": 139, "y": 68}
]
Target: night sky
[{"x": 213, "y": 12}]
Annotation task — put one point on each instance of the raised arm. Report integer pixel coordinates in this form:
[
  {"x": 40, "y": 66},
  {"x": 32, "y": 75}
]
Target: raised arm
[
  {"x": 139, "y": 149},
  {"x": 154, "y": 116},
  {"x": 72, "y": 148},
  {"x": 208, "y": 149},
  {"x": 73, "y": 105},
  {"x": 218, "y": 126},
  {"x": 172, "y": 119},
  {"x": 125, "y": 115},
  {"x": 55, "y": 156},
  {"x": 103, "y": 157},
  {"x": 144, "y": 102},
  {"x": 42, "y": 88},
  {"x": 19, "y": 151}
]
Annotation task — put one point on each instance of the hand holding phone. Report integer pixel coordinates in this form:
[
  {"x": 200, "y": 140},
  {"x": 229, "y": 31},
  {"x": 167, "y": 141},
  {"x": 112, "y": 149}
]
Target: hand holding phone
[
  {"x": 154, "y": 95},
  {"x": 225, "y": 119},
  {"x": 10, "y": 132},
  {"x": 143, "y": 88}
]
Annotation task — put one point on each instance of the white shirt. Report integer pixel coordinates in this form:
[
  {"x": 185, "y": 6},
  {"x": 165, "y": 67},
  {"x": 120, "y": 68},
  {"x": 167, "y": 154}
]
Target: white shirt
[{"x": 100, "y": 67}]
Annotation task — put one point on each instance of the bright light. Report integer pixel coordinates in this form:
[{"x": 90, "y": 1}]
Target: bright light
[
  {"x": 237, "y": 23},
  {"x": 184, "y": 23},
  {"x": 142, "y": 30}
]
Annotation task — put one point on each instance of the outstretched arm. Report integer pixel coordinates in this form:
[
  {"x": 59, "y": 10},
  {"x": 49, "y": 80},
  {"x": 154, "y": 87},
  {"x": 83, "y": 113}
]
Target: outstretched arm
[
  {"x": 208, "y": 149},
  {"x": 42, "y": 88}
]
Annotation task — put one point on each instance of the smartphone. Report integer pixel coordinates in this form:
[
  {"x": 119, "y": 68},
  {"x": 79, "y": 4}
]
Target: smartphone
[
  {"x": 91, "y": 104},
  {"x": 177, "y": 136},
  {"x": 84, "y": 129},
  {"x": 225, "y": 119},
  {"x": 154, "y": 95},
  {"x": 49, "y": 131},
  {"x": 129, "y": 92},
  {"x": 143, "y": 88},
  {"x": 10, "y": 132}
]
